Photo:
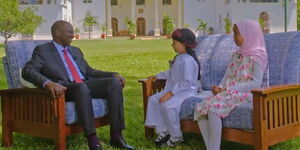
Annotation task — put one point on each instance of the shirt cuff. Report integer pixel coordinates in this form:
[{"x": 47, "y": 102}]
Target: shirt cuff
[{"x": 45, "y": 83}]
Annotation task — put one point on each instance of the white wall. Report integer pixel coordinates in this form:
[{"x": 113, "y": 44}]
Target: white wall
[
  {"x": 44, "y": 32},
  {"x": 123, "y": 10},
  {"x": 79, "y": 9},
  {"x": 214, "y": 11},
  {"x": 275, "y": 11},
  {"x": 205, "y": 10}
]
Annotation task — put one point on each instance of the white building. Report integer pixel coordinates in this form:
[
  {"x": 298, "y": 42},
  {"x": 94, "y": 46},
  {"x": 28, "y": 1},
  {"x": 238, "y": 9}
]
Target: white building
[{"x": 148, "y": 14}]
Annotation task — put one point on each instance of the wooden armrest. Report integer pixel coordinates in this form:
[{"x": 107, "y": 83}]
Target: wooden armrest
[
  {"x": 17, "y": 90},
  {"x": 149, "y": 83},
  {"x": 274, "y": 89}
]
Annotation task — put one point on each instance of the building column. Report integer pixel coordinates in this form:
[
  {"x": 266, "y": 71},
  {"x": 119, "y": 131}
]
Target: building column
[
  {"x": 156, "y": 18},
  {"x": 133, "y": 10},
  {"x": 108, "y": 19},
  {"x": 180, "y": 14}
]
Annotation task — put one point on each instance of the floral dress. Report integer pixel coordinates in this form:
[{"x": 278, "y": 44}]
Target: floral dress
[{"x": 236, "y": 81}]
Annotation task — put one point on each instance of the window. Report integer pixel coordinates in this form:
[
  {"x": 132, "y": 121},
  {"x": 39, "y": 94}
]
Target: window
[
  {"x": 114, "y": 2},
  {"x": 87, "y": 1},
  {"x": 166, "y": 2},
  {"x": 23, "y": 2},
  {"x": 140, "y": 2},
  {"x": 263, "y": 1},
  {"x": 40, "y": 2}
]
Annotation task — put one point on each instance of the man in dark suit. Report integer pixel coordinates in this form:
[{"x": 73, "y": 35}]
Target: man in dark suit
[{"x": 62, "y": 69}]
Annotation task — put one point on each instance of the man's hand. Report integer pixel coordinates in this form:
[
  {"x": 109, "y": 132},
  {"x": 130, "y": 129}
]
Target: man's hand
[
  {"x": 216, "y": 89},
  {"x": 166, "y": 97},
  {"x": 56, "y": 89},
  {"x": 153, "y": 78},
  {"x": 122, "y": 80}
]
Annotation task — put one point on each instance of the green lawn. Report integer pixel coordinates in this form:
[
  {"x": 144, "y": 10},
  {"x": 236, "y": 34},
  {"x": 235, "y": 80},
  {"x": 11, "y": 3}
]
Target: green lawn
[{"x": 134, "y": 59}]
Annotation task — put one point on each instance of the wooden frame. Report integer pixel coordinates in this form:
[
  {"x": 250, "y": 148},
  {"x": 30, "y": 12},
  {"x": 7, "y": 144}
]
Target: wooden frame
[
  {"x": 276, "y": 115},
  {"x": 35, "y": 112}
]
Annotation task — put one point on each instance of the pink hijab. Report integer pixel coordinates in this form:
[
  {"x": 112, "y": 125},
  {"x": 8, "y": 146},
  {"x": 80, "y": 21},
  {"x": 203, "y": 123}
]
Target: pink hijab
[{"x": 254, "y": 42}]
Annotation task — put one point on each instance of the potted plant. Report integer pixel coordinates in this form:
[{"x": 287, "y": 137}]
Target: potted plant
[
  {"x": 103, "y": 29},
  {"x": 227, "y": 25},
  {"x": 202, "y": 26},
  {"x": 210, "y": 30},
  {"x": 76, "y": 32},
  {"x": 131, "y": 27},
  {"x": 168, "y": 25}
]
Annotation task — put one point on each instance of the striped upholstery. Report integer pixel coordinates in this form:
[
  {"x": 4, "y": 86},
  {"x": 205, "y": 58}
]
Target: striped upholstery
[{"x": 214, "y": 53}]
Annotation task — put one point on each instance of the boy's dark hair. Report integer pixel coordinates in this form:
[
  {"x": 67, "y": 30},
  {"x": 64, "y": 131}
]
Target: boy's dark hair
[{"x": 187, "y": 38}]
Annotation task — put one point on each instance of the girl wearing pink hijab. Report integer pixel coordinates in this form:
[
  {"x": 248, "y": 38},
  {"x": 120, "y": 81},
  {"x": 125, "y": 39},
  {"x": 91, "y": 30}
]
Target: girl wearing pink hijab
[{"x": 244, "y": 73}]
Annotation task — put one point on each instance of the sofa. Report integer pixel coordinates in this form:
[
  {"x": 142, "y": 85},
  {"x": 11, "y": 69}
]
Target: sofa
[
  {"x": 33, "y": 111},
  {"x": 274, "y": 114}
]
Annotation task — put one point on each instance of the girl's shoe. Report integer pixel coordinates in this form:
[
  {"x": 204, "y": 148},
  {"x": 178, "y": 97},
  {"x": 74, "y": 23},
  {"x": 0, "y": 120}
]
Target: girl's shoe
[
  {"x": 162, "y": 137},
  {"x": 170, "y": 143}
]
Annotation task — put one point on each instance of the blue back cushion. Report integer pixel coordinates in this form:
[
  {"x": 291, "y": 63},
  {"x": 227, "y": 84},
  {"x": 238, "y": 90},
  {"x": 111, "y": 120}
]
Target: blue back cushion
[
  {"x": 18, "y": 53},
  {"x": 284, "y": 53},
  {"x": 214, "y": 53}
]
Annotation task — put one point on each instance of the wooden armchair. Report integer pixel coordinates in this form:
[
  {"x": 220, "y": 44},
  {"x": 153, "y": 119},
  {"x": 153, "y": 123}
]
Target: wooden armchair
[
  {"x": 276, "y": 115},
  {"x": 34, "y": 111}
]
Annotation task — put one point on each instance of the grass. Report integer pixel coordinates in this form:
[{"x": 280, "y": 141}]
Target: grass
[{"x": 134, "y": 59}]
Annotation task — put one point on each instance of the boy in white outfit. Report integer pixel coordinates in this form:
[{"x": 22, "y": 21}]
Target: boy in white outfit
[{"x": 181, "y": 82}]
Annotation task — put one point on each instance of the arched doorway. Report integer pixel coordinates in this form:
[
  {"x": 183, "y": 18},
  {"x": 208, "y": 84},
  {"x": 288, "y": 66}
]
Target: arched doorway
[
  {"x": 114, "y": 26},
  {"x": 264, "y": 22},
  {"x": 141, "y": 26}
]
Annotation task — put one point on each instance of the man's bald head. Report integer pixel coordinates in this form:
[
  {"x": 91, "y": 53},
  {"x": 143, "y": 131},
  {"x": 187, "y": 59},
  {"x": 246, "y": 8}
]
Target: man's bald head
[
  {"x": 58, "y": 25},
  {"x": 62, "y": 32}
]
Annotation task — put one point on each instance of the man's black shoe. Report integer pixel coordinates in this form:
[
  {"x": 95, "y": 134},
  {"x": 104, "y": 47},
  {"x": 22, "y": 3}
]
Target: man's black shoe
[
  {"x": 98, "y": 147},
  {"x": 120, "y": 143}
]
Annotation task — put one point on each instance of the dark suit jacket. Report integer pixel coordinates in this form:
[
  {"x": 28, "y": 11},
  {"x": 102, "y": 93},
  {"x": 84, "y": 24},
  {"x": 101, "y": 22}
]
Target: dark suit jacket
[{"x": 46, "y": 64}]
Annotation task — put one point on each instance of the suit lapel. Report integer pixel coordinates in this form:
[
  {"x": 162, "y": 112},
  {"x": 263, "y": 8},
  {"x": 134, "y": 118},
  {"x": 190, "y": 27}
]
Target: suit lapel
[{"x": 58, "y": 60}]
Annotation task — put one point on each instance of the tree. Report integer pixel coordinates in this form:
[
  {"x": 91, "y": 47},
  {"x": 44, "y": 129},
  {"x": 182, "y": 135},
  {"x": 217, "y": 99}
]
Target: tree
[
  {"x": 298, "y": 16},
  {"x": 131, "y": 27},
  {"x": 202, "y": 25},
  {"x": 168, "y": 25},
  {"x": 14, "y": 21},
  {"x": 90, "y": 21},
  {"x": 227, "y": 25}
]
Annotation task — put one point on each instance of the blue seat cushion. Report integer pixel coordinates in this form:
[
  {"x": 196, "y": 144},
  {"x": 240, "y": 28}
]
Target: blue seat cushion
[
  {"x": 99, "y": 106},
  {"x": 188, "y": 105},
  {"x": 240, "y": 118}
]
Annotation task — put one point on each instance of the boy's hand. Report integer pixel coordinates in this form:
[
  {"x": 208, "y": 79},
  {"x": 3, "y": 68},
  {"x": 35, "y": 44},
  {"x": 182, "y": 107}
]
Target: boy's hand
[
  {"x": 166, "y": 97},
  {"x": 216, "y": 89}
]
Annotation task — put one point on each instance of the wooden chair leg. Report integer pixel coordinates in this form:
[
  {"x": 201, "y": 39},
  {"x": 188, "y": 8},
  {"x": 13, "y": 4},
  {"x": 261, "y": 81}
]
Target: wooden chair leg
[
  {"x": 60, "y": 144},
  {"x": 7, "y": 139},
  {"x": 149, "y": 132},
  {"x": 7, "y": 133},
  {"x": 260, "y": 147}
]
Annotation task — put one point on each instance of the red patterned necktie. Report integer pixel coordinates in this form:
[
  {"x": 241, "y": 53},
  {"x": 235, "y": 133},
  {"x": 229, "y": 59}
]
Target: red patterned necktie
[{"x": 72, "y": 68}]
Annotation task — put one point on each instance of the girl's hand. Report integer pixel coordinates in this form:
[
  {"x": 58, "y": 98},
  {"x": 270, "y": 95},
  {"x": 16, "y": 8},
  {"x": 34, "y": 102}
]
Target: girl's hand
[
  {"x": 216, "y": 89},
  {"x": 166, "y": 97},
  {"x": 153, "y": 78}
]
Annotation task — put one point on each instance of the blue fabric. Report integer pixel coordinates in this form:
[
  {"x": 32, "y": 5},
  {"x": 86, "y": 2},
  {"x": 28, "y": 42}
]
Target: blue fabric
[
  {"x": 214, "y": 53},
  {"x": 187, "y": 107},
  {"x": 99, "y": 106},
  {"x": 17, "y": 54}
]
